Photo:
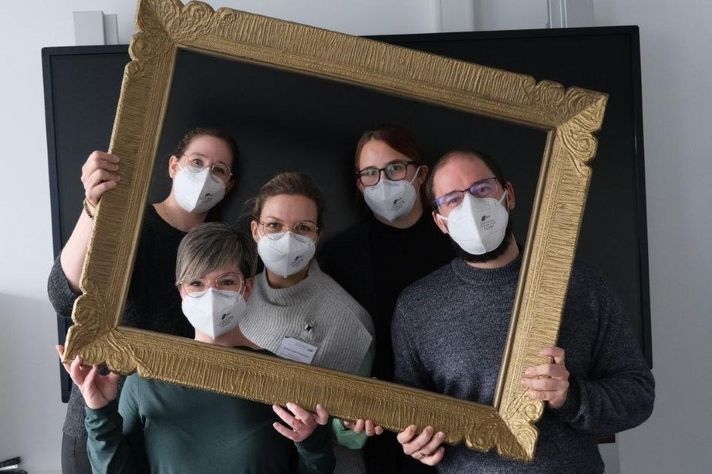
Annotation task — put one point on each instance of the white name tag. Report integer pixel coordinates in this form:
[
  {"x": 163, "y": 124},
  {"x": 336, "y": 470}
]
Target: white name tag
[{"x": 296, "y": 350}]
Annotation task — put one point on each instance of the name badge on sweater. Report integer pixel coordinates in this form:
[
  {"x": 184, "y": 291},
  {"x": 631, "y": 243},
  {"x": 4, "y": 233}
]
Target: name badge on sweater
[{"x": 299, "y": 351}]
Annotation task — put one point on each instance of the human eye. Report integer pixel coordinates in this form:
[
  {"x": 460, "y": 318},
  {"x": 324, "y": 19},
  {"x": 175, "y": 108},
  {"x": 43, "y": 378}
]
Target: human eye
[
  {"x": 196, "y": 284},
  {"x": 369, "y": 172},
  {"x": 395, "y": 169},
  {"x": 304, "y": 228},
  {"x": 274, "y": 226},
  {"x": 482, "y": 189},
  {"x": 196, "y": 162},
  {"x": 228, "y": 281},
  {"x": 453, "y": 199},
  {"x": 220, "y": 170}
]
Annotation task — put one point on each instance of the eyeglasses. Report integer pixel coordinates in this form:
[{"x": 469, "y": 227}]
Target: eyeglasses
[
  {"x": 197, "y": 163},
  {"x": 395, "y": 171},
  {"x": 274, "y": 229},
  {"x": 480, "y": 189},
  {"x": 230, "y": 281}
]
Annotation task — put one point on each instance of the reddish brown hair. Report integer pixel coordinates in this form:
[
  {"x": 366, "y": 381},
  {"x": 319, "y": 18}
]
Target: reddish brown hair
[{"x": 396, "y": 137}]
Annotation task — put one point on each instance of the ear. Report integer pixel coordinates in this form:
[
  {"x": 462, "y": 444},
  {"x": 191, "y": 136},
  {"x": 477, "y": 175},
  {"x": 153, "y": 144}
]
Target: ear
[
  {"x": 511, "y": 200},
  {"x": 248, "y": 289},
  {"x": 254, "y": 228},
  {"x": 172, "y": 166},
  {"x": 439, "y": 222}
]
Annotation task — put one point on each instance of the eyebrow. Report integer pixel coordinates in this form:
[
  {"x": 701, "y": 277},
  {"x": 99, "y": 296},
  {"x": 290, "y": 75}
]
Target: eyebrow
[
  {"x": 282, "y": 222},
  {"x": 200, "y": 155}
]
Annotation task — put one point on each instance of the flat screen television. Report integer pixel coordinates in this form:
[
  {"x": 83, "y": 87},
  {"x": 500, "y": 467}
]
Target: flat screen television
[{"x": 292, "y": 121}]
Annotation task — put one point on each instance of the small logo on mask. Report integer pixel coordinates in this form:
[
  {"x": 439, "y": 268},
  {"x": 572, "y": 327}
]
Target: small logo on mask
[
  {"x": 484, "y": 218},
  {"x": 398, "y": 203}
]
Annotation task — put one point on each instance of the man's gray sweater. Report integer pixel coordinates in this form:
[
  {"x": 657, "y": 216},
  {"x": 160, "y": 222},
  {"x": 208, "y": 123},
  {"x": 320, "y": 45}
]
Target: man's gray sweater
[{"x": 449, "y": 332}]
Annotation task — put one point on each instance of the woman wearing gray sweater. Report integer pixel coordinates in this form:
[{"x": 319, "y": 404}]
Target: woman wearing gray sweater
[{"x": 298, "y": 312}]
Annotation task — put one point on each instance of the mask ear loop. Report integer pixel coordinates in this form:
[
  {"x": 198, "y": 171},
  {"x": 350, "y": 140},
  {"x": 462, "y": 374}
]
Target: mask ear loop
[
  {"x": 505, "y": 196},
  {"x": 415, "y": 175}
]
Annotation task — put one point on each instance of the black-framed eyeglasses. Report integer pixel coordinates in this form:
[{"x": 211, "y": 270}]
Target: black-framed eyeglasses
[
  {"x": 197, "y": 163},
  {"x": 483, "y": 188},
  {"x": 395, "y": 170},
  {"x": 274, "y": 229}
]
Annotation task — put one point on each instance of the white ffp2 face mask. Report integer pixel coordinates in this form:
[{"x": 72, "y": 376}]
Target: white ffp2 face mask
[
  {"x": 391, "y": 199},
  {"x": 478, "y": 225},
  {"x": 214, "y": 312},
  {"x": 286, "y": 255},
  {"x": 197, "y": 192}
]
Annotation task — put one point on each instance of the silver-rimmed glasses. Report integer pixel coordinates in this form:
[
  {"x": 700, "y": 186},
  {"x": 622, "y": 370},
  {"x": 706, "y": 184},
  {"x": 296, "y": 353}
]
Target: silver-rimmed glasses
[
  {"x": 274, "y": 229},
  {"x": 197, "y": 163},
  {"x": 230, "y": 281}
]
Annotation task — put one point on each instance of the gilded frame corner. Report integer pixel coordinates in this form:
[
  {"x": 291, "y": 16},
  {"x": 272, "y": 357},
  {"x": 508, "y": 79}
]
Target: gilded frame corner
[{"x": 569, "y": 116}]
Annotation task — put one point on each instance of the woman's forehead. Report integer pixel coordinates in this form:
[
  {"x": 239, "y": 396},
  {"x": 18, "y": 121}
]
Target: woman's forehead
[{"x": 289, "y": 207}]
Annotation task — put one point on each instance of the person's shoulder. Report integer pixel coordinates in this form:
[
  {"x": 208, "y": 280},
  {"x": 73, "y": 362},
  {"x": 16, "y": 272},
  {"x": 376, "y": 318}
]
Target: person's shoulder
[
  {"x": 587, "y": 279},
  {"x": 337, "y": 297}
]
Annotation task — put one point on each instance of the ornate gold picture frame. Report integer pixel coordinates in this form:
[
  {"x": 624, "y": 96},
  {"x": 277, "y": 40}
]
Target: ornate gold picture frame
[{"x": 568, "y": 116}]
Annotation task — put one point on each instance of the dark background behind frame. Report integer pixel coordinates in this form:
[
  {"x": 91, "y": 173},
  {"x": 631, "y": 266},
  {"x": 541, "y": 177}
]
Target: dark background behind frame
[{"x": 82, "y": 87}]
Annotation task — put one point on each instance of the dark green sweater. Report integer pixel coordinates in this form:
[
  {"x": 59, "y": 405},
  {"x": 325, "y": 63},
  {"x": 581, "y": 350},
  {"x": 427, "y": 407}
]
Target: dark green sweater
[{"x": 166, "y": 428}]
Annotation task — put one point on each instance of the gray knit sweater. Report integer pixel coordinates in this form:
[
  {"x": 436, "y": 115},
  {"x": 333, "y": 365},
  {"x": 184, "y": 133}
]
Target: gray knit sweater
[
  {"x": 316, "y": 311},
  {"x": 449, "y": 331},
  {"x": 321, "y": 313}
]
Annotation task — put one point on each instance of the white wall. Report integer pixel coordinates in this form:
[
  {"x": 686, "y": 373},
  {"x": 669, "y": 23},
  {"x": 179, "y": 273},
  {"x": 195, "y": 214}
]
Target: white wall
[{"x": 676, "y": 48}]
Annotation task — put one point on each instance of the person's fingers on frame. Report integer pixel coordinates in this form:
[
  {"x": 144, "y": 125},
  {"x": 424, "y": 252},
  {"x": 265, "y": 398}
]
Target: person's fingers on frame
[
  {"x": 434, "y": 458},
  {"x": 543, "y": 395},
  {"x": 370, "y": 427},
  {"x": 545, "y": 384},
  {"x": 349, "y": 425},
  {"x": 322, "y": 415},
  {"x": 433, "y": 445},
  {"x": 302, "y": 415},
  {"x": 539, "y": 370},
  {"x": 359, "y": 427},
  {"x": 76, "y": 372},
  {"x": 99, "y": 160},
  {"x": 98, "y": 191},
  {"x": 287, "y": 417},
  {"x": 407, "y": 434},
  {"x": 557, "y": 353},
  {"x": 419, "y": 441},
  {"x": 91, "y": 376},
  {"x": 286, "y": 432},
  {"x": 99, "y": 176}
]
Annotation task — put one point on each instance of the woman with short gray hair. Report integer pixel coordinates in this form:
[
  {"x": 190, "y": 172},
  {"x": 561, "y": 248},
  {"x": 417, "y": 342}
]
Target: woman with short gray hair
[{"x": 162, "y": 427}]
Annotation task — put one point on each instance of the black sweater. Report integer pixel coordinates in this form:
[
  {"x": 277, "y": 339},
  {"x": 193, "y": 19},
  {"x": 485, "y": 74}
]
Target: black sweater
[{"x": 374, "y": 262}]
